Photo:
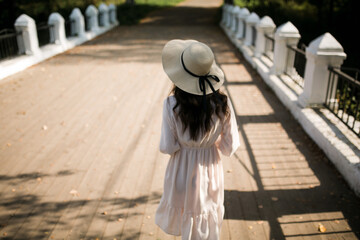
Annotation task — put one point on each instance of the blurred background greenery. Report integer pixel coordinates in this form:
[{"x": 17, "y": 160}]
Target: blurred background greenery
[
  {"x": 315, "y": 17},
  {"x": 311, "y": 17},
  {"x": 41, "y": 9}
]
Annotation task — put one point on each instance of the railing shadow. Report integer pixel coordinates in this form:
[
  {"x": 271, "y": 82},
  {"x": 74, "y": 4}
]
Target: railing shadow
[
  {"x": 277, "y": 199},
  {"x": 32, "y": 208}
]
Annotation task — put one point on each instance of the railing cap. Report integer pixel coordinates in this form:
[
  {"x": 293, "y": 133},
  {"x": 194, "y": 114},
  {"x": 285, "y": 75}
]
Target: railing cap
[
  {"x": 112, "y": 6},
  {"x": 266, "y": 22},
  {"x": 244, "y": 12},
  {"x": 103, "y": 7},
  {"x": 326, "y": 44},
  {"x": 24, "y": 20},
  {"x": 55, "y": 18},
  {"x": 75, "y": 13},
  {"x": 91, "y": 10},
  {"x": 236, "y": 10},
  {"x": 253, "y": 18},
  {"x": 287, "y": 30}
]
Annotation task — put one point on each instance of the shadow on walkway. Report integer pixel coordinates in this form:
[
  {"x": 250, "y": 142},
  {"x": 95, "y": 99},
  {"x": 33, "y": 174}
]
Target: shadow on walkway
[
  {"x": 297, "y": 187},
  {"x": 279, "y": 185}
]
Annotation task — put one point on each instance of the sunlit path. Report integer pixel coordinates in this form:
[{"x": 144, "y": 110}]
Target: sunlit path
[{"x": 79, "y": 140}]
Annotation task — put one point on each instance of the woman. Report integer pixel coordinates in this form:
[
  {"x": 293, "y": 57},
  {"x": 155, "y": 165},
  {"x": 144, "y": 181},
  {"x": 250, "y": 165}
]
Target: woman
[{"x": 198, "y": 120}]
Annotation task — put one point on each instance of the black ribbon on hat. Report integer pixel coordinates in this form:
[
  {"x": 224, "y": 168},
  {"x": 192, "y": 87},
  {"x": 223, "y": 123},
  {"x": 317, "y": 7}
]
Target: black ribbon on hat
[{"x": 202, "y": 80}]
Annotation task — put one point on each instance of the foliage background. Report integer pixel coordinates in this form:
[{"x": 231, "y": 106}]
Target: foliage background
[
  {"x": 311, "y": 17},
  {"x": 315, "y": 17},
  {"x": 41, "y": 9}
]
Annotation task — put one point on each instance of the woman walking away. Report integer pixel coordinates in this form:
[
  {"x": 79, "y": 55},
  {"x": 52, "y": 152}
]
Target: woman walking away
[{"x": 198, "y": 120}]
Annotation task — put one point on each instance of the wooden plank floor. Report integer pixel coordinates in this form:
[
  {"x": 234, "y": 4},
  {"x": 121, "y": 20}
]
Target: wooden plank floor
[{"x": 79, "y": 140}]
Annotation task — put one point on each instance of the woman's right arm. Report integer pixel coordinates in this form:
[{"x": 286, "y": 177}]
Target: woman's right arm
[
  {"x": 168, "y": 139},
  {"x": 229, "y": 140}
]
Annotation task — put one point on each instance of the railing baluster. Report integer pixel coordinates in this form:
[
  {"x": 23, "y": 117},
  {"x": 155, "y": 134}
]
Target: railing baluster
[
  {"x": 347, "y": 96},
  {"x": 8, "y": 43},
  {"x": 298, "y": 64}
]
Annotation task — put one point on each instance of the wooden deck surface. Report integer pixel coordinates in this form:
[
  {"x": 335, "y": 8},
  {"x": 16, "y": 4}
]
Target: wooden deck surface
[{"x": 79, "y": 138}]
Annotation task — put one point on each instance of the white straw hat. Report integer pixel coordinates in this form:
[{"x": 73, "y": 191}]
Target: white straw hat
[{"x": 190, "y": 65}]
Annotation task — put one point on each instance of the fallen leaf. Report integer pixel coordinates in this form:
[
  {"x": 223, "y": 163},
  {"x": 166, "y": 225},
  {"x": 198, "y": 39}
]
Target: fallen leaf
[
  {"x": 260, "y": 222},
  {"x": 74, "y": 192},
  {"x": 321, "y": 228},
  {"x": 250, "y": 227},
  {"x": 5, "y": 234},
  {"x": 337, "y": 221},
  {"x": 39, "y": 179},
  {"x": 45, "y": 128},
  {"x": 151, "y": 233},
  {"x": 274, "y": 198},
  {"x": 273, "y": 166},
  {"x": 260, "y": 206},
  {"x": 13, "y": 190},
  {"x": 104, "y": 213},
  {"x": 148, "y": 217},
  {"x": 229, "y": 171},
  {"x": 119, "y": 219},
  {"x": 8, "y": 144}
]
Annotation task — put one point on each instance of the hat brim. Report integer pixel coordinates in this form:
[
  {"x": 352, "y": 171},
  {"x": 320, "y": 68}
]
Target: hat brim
[{"x": 171, "y": 60}]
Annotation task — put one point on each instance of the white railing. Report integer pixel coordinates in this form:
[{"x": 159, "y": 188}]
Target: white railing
[
  {"x": 239, "y": 24},
  {"x": 274, "y": 57},
  {"x": 63, "y": 35}
]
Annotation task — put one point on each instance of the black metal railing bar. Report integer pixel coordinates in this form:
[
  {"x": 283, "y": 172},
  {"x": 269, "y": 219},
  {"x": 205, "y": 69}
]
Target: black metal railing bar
[
  {"x": 354, "y": 72},
  {"x": 101, "y": 22},
  {"x": 269, "y": 47},
  {"x": 297, "y": 71},
  {"x": 87, "y": 23},
  {"x": 8, "y": 43},
  {"x": 244, "y": 29},
  {"x": 69, "y": 25},
  {"x": 253, "y": 36},
  {"x": 43, "y": 32},
  {"x": 343, "y": 98}
]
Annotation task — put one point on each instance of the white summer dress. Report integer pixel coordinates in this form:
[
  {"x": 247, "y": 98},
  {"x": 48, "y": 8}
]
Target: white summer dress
[{"x": 192, "y": 204}]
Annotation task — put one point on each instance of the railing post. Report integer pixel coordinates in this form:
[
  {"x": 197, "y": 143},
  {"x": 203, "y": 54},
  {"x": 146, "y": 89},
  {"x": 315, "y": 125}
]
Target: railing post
[
  {"x": 235, "y": 25},
  {"x": 91, "y": 14},
  {"x": 104, "y": 15},
  {"x": 321, "y": 53},
  {"x": 78, "y": 28},
  {"x": 286, "y": 34},
  {"x": 251, "y": 22},
  {"x": 28, "y": 40},
  {"x": 265, "y": 26},
  {"x": 242, "y": 15},
  {"x": 229, "y": 16},
  {"x": 113, "y": 14},
  {"x": 57, "y": 32}
]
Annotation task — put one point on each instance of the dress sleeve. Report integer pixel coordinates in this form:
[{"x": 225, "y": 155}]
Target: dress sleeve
[
  {"x": 168, "y": 139},
  {"x": 229, "y": 138}
]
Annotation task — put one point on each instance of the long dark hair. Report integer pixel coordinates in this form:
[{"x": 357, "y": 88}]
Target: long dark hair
[{"x": 192, "y": 112}]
